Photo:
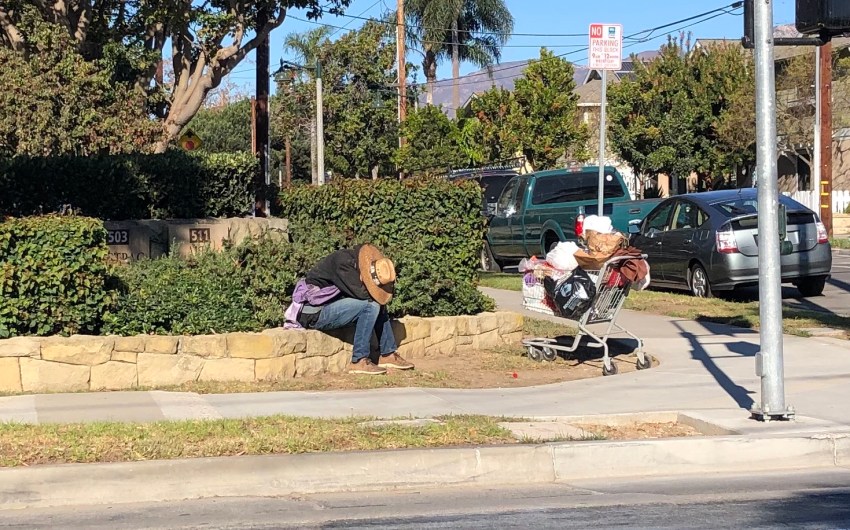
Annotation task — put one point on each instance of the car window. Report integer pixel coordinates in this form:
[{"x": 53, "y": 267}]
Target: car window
[
  {"x": 572, "y": 187},
  {"x": 687, "y": 215},
  {"x": 507, "y": 198},
  {"x": 493, "y": 185},
  {"x": 657, "y": 220},
  {"x": 522, "y": 185},
  {"x": 738, "y": 206}
]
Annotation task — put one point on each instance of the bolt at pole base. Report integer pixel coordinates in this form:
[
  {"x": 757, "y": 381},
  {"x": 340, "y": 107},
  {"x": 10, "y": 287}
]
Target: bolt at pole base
[{"x": 765, "y": 415}]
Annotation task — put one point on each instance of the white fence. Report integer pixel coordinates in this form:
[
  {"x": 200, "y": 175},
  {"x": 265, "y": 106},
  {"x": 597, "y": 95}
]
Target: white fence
[{"x": 840, "y": 200}]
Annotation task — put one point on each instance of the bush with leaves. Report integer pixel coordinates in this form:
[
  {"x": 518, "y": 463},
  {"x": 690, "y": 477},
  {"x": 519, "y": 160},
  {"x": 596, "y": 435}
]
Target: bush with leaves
[
  {"x": 430, "y": 228},
  {"x": 52, "y": 276},
  {"x": 139, "y": 186}
]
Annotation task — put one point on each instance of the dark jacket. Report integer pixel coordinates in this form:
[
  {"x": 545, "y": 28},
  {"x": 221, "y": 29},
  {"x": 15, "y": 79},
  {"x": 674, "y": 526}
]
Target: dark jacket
[{"x": 340, "y": 269}]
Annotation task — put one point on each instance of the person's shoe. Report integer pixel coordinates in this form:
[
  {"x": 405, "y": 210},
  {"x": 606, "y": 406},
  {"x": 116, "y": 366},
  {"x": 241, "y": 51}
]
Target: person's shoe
[
  {"x": 366, "y": 366},
  {"x": 396, "y": 361}
]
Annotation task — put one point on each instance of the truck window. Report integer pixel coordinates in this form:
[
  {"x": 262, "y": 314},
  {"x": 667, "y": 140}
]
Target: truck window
[
  {"x": 506, "y": 200},
  {"x": 574, "y": 187}
]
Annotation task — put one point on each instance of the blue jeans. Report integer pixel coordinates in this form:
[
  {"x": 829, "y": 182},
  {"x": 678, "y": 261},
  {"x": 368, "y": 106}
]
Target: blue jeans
[{"x": 368, "y": 317}]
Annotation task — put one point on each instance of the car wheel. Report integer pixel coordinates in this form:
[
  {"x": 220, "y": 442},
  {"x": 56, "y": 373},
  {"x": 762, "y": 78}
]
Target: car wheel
[
  {"x": 811, "y": 286},
  {"x": 700, "y": 286},
  {"x": 488, "y": 262}
]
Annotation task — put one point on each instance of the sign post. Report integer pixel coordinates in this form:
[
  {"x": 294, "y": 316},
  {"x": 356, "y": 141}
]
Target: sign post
[{"x": 606, "y": 53}]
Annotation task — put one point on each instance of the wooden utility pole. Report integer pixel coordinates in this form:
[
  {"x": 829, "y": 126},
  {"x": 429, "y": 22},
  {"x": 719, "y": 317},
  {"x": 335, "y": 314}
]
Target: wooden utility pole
[
  {"x": 825, "y": 146},
  {"x": 261, "y": 123},
  {"x": 288, "y": 161},
  {"x": 401, "y": 34}
]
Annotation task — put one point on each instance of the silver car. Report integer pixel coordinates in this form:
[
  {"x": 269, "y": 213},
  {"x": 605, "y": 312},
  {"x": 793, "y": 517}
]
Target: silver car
[{"x": 708, "y": 242}]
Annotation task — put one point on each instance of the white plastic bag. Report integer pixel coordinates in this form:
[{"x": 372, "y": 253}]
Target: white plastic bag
[
  {"x": 598, "y": 223},
  {"x": 561, "y": 257}
]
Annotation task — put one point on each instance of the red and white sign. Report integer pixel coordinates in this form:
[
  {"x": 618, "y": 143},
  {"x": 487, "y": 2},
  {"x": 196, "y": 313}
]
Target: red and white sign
[{"x": 606, "y": 47}]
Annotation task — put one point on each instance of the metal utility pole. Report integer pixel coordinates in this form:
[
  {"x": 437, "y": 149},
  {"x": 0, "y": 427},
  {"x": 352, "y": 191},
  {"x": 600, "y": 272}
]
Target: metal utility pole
[
  {"x": 288, "y": 161},
  {"x": 825, "y": 148},
  {"x": 602, "y": 125},
  {"x": 769, "y": 361},
  {"x": 261, "y": 123},
  {"x": 402, "y": 65},
  {"x": 320, "y": 127}
]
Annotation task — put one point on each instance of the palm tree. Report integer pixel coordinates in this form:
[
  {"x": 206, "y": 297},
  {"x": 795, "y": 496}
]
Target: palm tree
[
  {"x": 306, "y": 48},
  {"x": 462, "y": 30}
]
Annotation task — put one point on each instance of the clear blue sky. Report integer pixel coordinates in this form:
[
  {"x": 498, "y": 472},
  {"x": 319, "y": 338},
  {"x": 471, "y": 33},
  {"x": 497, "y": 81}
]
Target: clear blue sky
[{"x": 548, "y": 17}]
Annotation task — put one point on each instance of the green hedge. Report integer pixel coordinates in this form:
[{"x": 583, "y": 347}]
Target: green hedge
[
  {"x": 140, "y": 186},
  {"x": 431, "y": 228},
  {"x": 52, "y": 276}
]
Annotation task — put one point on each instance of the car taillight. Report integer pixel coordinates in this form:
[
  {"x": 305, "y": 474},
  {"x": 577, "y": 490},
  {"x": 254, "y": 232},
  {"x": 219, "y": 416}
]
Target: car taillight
[
  {"x": 823, "y": 236},
  {"x": 579, "y": 225},
  {"x": 726, "y": 242}
]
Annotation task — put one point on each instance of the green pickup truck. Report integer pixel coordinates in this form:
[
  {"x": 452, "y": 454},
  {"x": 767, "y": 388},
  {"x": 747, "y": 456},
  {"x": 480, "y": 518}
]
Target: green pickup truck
[{"x": 536, "y": 211}]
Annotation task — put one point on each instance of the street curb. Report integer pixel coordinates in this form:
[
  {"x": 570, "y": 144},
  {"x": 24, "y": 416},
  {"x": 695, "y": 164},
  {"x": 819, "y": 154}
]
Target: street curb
[
  {"x": 841, "y": 252},
  {"x": 278, "y": 475}
]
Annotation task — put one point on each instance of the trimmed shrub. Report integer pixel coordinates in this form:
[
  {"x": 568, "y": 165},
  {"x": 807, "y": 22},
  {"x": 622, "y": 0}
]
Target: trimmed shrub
[
  {"x": 52, "y": 276},
  {"x": 431, "y": 228},
  {"x": 173, "y": 295},
  {"x": 139, "y": 186}
]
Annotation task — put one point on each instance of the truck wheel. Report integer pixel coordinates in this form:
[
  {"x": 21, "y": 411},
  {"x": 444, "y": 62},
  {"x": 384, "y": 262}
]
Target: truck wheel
[
  {"x": 811, "y": 286},
  {"x": 488, "y": 262}
]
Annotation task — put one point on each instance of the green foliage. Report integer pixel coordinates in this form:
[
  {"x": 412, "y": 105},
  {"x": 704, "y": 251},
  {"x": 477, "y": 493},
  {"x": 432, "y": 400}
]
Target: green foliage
[
  {"x": 225, "y": 129},
  {"x": 685, "y": 112},
  {"x": 430, "y": 228},
  {"x": 171, "y": 185},
  {"x": 432, "y": 142},
  {"x": 172, "y": 295},
  {"x": 56, "y": 102},
  {"x": 546, "y": 114},
  {"x": 491, "y": 111},
  {"x": 52, "y": 276}
]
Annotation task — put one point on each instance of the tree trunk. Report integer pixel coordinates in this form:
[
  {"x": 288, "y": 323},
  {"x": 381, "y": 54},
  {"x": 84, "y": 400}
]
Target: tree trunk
[
  {"x": 429, "y": 66},
  {"x": 455, "y": 69}
]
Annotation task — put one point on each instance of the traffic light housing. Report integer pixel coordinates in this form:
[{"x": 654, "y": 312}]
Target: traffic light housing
[{"x": 826, "y": 18}]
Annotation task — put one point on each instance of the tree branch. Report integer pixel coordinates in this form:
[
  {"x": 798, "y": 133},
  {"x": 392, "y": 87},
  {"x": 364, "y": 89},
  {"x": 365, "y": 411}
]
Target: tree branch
[{"x": 12, "y": 35}]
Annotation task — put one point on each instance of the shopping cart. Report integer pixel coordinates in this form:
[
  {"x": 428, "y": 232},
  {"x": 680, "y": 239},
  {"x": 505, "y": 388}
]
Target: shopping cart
[{"x": 611, "y": 292}]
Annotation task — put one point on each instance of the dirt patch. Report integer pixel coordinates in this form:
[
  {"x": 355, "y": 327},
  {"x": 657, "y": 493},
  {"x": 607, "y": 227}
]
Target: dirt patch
[{"x": 640, "y": 431}]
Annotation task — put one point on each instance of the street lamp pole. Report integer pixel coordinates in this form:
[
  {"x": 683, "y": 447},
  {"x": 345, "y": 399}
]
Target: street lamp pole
[{"x": 320, "y": 126}]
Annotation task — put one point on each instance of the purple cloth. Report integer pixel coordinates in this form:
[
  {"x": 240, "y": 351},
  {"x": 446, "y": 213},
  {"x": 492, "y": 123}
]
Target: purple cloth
[{"x": 306, "y": 293}]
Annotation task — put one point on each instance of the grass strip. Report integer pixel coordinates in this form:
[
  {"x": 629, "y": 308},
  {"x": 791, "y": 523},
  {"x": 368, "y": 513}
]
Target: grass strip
[{"x": 26, "y": 445}]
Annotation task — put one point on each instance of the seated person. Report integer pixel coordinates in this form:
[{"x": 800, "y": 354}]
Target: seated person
[{"x": 351, "y": 286}]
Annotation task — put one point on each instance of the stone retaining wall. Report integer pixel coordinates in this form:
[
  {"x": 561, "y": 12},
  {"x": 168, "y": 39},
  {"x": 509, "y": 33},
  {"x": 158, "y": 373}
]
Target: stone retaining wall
[{"x": 78, "y": 363}]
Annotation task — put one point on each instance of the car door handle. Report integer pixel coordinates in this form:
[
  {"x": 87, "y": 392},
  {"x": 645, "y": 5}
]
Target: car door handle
[
  {"x": 658, "y": 243},
  {"x": 687, "y": 241}
]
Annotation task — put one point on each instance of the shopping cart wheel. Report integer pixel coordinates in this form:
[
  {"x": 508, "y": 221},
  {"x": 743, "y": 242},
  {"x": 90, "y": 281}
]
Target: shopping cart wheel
[
  {"x": 550, "y": 354},
  {"x": 647, "y": 363},
  {"x": 612, "y": 371},
  {"x": 535, "y": 353}
]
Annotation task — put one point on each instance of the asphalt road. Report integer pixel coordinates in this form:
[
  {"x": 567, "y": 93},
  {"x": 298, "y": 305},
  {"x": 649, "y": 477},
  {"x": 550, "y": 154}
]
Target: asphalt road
[{"x": 800, "y": 500}]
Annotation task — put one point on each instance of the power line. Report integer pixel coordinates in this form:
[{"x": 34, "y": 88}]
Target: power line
[{"x": 350, "y": 21}]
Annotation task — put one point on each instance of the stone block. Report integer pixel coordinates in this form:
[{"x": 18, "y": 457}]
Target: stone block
[
  {"x": 311, "y": 366},
  {"x": 412, "y": 349},
  {"x": 124, "y": 356},
  {"x": 250, "y": 345},
  {"x": 87, "y": 351},
  {"x": 157, "y": 370},
  {"x": 10, "y": 375},
  {"x": 113, "y": 375},
  {"x": 21, "y": 347},
  {"x": 510, "y": 323},
  {"x": 287, "y": 341},
  {"x": 276, "y": 369},
  {"x": 320, "y": 344},
  {"x": 447, "y": 347},
  {"x": 486, "y": 322},
  {"x": 466, "y": 325},
  {"x": 487, "y": 340},
  {"x": 463, "y": 340},
  {"x": 227, "y": 370},
  {"x": 414, "y": 328},
  {"x": 207, "y": 346},
  {"x": 48, "y": 376},
  {"x": 161, "y": 344},
  {"x": 130, "y": 344},
  {"x": 338, "y": 362},
  {"x": 441, "y": 330},
  {"x": 513, "y": 338}
]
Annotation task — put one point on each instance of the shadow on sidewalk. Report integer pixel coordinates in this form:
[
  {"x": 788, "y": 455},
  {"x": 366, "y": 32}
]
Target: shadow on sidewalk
[{"x": 740, "y": 394}]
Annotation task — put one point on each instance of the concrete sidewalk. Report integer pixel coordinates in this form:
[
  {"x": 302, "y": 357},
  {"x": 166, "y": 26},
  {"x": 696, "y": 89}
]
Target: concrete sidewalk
[{"x": 706, "y": 369}]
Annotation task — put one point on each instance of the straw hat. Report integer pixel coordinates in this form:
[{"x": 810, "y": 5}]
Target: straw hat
[{"x": 377, "y": 273}]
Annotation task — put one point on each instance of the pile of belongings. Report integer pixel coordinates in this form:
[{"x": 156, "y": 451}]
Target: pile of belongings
[{"x": 568, "y": 273}]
